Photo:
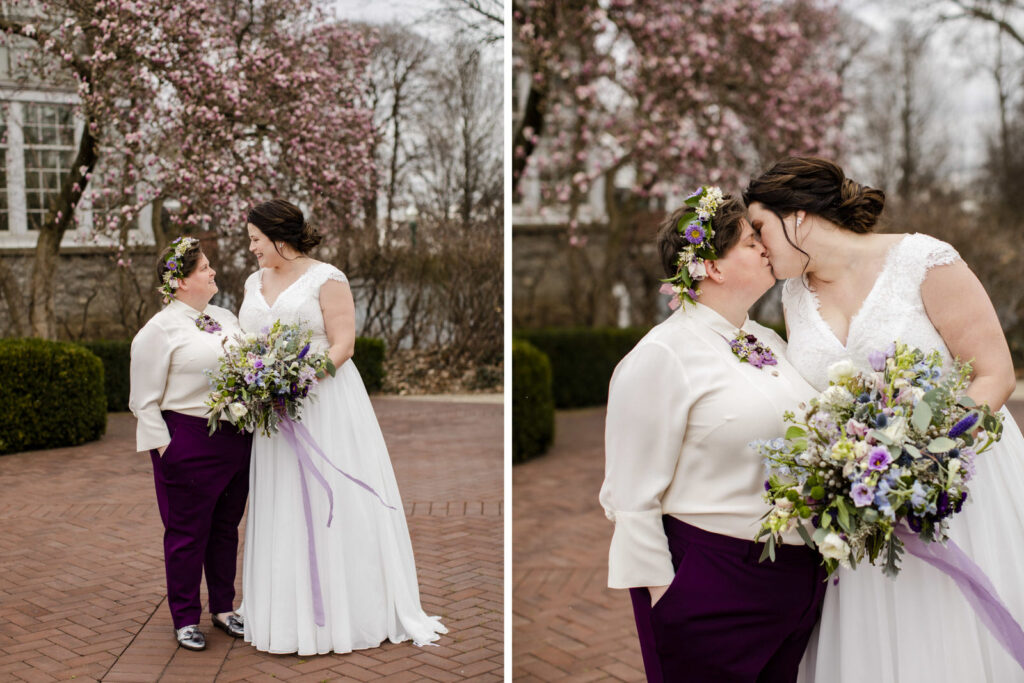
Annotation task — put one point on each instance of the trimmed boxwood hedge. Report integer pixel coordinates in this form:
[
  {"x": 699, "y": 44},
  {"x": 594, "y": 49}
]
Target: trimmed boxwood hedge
[
  {"x": 582, "y": 360},
  {"x": 51, "y": 393},
  {"x": 533, "y": 409},
  {"x": 369, "y": 359},
  {"x": 116, "y": 357}
]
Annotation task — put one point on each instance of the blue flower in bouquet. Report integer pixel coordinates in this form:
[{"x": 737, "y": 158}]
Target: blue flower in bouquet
[
  {"x": 304, "y": 351},
  {"x": 918, "y": 495}
]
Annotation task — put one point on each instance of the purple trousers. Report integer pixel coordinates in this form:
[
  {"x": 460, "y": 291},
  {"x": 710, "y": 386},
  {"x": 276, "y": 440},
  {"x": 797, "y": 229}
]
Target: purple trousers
[
  {"x": 727, "y": 617},
  {"x": 202, "y": 482}
]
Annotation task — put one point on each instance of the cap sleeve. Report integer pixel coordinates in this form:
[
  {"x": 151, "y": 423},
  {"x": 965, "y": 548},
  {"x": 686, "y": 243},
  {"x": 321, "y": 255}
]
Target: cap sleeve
[{"x": 936, "y": 253}]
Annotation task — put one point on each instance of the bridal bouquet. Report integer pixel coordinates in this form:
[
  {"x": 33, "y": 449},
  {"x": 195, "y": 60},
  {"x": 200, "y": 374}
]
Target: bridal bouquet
[
  {"x": 875, "y": 451},
  {"x": 264, "y": 377}
]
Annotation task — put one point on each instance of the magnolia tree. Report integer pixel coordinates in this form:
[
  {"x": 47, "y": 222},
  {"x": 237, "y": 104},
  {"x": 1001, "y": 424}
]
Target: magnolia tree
[
  {"x": 654, "y": 97},
  {"x": 213, "y": 104}
]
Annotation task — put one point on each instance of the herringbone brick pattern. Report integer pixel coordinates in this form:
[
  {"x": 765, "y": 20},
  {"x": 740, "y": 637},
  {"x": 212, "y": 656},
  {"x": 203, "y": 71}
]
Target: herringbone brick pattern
[
  {"x": 567, "y": 625},
  {"x": 82, "y": 590}
]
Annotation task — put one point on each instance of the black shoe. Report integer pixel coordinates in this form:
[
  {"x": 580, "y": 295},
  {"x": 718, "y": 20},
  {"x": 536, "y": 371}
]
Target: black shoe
[
  {"x": 190, "y": 637},
  {"x": 234, "y": 626}
]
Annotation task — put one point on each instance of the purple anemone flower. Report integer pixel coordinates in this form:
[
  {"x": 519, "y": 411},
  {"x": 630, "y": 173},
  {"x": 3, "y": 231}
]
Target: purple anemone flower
[
  {"x": 879, "y": 459},
  {"x": 861, "y": 494}
]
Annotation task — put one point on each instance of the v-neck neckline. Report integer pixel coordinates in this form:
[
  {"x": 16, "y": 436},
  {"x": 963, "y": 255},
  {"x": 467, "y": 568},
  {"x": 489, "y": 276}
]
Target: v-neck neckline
[
  {"x": 283, "y": 291},
  {"x": 816, "y": 302}
]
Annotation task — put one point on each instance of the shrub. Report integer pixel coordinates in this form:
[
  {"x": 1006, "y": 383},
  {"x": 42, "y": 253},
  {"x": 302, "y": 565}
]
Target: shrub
[
  {"x": 116, "y": 358},
  {"x": 51, "y": 393},
  {"x": 369, "y": 360},
  {"x": 533, "y": 409},
  {"x": 582, "y": 360}
]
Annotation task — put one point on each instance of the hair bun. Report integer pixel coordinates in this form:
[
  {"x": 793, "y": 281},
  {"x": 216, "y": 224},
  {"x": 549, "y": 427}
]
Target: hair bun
[
  {"x": 309, "y": 238},
  {"x": 859, "y": 205}
]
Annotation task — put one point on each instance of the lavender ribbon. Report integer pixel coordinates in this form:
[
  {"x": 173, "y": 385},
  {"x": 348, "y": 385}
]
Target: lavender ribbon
[
  {"x": 296, "y": 433},
  {"x": 975, "y": 586}
]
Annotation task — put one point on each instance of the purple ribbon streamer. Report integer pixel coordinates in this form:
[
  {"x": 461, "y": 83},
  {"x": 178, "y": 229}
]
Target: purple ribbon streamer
[
  {"x": 295, "y": 433},
  {"x": 975, "y": 586}
]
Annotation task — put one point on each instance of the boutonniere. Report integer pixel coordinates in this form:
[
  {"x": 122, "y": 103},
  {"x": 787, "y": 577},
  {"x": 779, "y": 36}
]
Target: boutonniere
[
  {"x": 749, "y": 350},
  {"x": 207, "y": 324}
]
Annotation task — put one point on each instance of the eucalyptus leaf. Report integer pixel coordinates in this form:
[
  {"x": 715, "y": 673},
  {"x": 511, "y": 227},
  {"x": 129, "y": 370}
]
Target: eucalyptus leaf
[
  {"x": 922, "y": 416},
  {"x": 967, "y": 402},
  {"x": 880, "y": 437},
  {"x": 914, "y": 453},
  {"x": 806, "y": 536},
  {"x": 941, "y": 444},
  {"x": 795, "y": 432},
  {"x": 821, "y": 532}
]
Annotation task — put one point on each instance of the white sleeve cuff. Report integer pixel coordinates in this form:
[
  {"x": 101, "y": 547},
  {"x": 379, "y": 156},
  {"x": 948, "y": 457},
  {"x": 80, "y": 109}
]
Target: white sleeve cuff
[{"x": 639, "y": 554}]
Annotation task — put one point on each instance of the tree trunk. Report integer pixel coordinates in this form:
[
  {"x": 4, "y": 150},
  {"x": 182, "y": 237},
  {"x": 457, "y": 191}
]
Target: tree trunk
[
  {"x": 533, "y": 117},
  {"x": 12, "y": 293},
  {"x": 42, "y": 312}
]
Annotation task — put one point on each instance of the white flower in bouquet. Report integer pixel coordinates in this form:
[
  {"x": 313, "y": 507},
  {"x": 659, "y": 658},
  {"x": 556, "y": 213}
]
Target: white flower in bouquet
[
  {"x": 237, "y": 410},
  {"x": 841, "y": 370},
  {"x": 833, "y": 547},
  {"x": 837, "y": 396},
  {"x": 896, "y": 430}
]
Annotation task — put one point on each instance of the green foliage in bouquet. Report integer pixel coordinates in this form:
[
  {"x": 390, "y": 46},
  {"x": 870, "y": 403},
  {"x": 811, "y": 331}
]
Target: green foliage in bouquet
[
  {"x": 263, "y": 378},
  {"x": 51, "y": 393},
  {"x": 876, "y": 451},
  {"x": 533, "y": 410}
]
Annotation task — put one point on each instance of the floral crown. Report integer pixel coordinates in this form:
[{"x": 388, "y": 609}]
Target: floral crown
[
  {"x": 696, "y": 226},
  {"x": 172, "y": 276}
]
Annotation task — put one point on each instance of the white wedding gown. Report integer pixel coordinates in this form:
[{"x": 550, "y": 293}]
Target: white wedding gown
[
  {"x": 917, "y": 628},
  {"x": 365, "y": 559}
]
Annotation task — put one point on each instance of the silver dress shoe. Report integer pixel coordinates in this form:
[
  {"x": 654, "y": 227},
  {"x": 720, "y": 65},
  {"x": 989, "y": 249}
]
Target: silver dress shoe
[
  {"x": 190, "y": 637},
  {"x": 234, "y": 626}
]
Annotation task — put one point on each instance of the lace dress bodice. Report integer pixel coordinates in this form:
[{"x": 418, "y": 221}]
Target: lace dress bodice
[
  {"x": 298, "y": 303},
  {"x": 892, "y": 310}
]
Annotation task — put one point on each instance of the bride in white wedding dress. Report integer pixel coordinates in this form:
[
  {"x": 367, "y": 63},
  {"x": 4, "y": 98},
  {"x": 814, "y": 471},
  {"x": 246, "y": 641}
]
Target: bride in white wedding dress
[
  {"x": 355, "y": 585},
  {"x": 849, "y": 292}
]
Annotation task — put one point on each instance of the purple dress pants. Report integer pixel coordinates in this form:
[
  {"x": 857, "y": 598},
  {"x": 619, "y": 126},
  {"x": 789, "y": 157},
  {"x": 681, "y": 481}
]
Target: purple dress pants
[
  {"x": 727, "y": 617},
  {"x": 202, "y": 482}
]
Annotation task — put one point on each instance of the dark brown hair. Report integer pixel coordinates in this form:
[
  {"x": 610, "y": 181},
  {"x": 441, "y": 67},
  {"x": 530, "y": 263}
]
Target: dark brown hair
[
  {"x": 817, "y": 186},
  {"x": 725, "y": 223},
  {"x": 186, "y": 264},
  {"x": 282, "y": 221}
]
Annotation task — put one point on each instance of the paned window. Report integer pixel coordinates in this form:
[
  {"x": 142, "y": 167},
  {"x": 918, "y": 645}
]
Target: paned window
[{"x": 49, "y": 131}]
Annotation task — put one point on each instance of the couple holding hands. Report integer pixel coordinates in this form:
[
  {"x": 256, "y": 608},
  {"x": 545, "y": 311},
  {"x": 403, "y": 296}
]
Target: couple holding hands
[
  {"x": 685, "y": 490},
  {"x": 363, "y": 571}
]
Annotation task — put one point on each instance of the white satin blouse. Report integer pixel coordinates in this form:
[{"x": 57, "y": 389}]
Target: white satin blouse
[
  {"x": 682, "y": 410},
  {"x": 168, "y": 359}
]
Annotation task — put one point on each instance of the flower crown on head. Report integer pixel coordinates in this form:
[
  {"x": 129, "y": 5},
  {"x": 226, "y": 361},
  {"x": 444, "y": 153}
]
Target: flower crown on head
[
  {"x": 696, "y": 226},
  {"x": 172, "y": 276}
]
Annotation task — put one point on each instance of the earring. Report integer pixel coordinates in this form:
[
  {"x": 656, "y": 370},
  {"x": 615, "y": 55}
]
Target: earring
[{"x": 799, "y": 220}]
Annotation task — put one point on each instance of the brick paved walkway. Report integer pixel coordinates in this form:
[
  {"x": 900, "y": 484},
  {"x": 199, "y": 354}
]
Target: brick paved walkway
[
  {"x": 567, "y": 625},
  {"x": 82, "y": 592}
]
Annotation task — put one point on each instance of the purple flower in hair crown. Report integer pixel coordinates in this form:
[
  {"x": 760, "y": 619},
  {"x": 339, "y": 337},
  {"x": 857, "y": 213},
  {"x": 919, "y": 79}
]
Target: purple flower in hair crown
[
  {"x": 696, "y": 227},
  {"x": 171, "y": 279}
]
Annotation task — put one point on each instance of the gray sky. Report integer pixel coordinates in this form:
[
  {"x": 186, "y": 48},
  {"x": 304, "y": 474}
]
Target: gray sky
[{"x": 967, "y": 93}]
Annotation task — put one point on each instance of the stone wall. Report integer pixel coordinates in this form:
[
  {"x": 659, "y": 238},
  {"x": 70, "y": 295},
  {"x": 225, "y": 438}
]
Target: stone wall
[
  {"x": 546, "y": 291},
  {"x": 95, "y": 299}
]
